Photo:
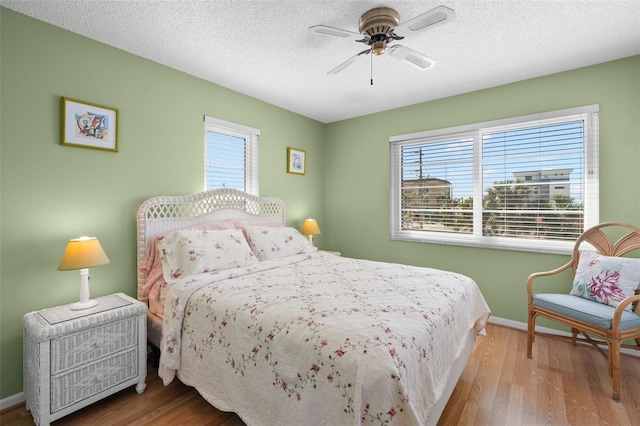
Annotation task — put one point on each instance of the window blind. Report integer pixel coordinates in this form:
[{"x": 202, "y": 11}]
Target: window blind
[
  {"x": 533, "y": 178},
  {"x": 524, "y": 183},
  {"x": 231, "y": 156},
  {"x": 437, "y": 185}
]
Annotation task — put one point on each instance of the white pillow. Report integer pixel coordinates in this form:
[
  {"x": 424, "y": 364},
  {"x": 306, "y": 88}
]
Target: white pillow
[
  {"x": 272, "y": 243},
  {"x": 606, "y": 279},
  {"x": 188, "y": 252}
]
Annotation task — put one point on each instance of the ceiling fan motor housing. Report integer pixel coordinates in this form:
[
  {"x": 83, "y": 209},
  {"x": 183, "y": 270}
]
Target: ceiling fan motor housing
[{"x": 376, "y": 23}]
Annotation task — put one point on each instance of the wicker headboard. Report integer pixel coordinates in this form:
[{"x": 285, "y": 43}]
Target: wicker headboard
[{"x": 166, "y": 213}]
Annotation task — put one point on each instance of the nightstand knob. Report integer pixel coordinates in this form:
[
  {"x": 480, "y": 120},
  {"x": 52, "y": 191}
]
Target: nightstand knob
[
  {"x": 99, "y": 377},
  {"x": 98, "y": 343}
]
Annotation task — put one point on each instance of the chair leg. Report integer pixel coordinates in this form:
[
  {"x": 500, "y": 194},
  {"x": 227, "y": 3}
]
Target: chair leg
[
  {"x": 531, "y": 324},
  {"x": 614, "y": 368},
  {"x": 574, "y": 335}
]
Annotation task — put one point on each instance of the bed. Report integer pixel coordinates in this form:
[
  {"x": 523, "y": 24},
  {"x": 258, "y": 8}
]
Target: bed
[{"x": 263, "y": 324}]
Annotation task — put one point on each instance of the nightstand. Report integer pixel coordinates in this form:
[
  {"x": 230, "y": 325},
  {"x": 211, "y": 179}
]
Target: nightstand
[{"x": 75, "y": 358}]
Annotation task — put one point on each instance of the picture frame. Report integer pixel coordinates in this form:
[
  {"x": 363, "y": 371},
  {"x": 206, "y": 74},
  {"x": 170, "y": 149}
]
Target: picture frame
[
  {"x": 89, "y": 125},
  {"x": 296, "y": 161}
]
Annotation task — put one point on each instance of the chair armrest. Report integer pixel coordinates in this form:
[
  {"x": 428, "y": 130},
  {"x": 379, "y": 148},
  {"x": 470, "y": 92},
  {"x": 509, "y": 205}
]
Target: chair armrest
[
  {"x": 617, "y": 314},
  {"x": 544, "y": 274}
]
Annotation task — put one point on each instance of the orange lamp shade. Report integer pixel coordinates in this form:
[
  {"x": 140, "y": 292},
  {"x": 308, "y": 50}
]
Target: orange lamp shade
[
  {"x": 310, "y": 227},
  {"x": 83, "y": 252}
]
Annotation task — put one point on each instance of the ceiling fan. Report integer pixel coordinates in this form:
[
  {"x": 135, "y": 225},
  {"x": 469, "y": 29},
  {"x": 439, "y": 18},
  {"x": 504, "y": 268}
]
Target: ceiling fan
[{"x": 381, "y": 26}]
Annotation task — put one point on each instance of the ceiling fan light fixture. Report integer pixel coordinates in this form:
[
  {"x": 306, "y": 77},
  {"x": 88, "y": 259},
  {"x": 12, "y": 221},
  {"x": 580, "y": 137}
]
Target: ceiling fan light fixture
[{"x": 378, "y": 47}]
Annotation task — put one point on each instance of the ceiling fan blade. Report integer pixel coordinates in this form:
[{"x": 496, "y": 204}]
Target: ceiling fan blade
[
  {"x": 431, "y": 19},
  {"x": 348, "y": 62},
  {"x": 411, "y": 57},
  {"x": 335, "y": 32}
]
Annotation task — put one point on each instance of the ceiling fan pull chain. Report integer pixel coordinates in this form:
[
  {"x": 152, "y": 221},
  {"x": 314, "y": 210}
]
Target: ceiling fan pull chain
[{"x": 371, "y": 68}]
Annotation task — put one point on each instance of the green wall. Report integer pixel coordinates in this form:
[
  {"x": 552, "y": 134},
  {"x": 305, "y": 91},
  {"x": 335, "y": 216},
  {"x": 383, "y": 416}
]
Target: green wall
[
  {"x": 357, "y": 173},
  {"x": 51, "y": 193}
]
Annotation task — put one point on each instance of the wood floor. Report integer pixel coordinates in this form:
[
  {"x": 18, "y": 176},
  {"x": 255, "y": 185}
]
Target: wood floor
[{"x": 562, "y": 385}]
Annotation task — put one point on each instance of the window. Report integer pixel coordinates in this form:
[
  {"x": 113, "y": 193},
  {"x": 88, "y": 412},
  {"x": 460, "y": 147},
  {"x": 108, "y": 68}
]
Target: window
[
  {"x": 527, "y": 183},
  {"x": 230, "y": 156}
]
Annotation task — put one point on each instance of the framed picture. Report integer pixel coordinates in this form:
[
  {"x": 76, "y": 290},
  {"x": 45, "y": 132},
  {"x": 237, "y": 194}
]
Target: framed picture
[
  {"x": 88, "y": 125},
  {"x": 296, "y": 161}
]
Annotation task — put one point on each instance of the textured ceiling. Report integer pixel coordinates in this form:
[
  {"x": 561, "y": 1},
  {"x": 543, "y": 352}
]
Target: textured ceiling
[{"x": 263, "y": 48}]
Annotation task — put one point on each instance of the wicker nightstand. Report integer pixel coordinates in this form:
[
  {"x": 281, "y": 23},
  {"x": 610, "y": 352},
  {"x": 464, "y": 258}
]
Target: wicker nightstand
[{"x": 75, "y": 358}]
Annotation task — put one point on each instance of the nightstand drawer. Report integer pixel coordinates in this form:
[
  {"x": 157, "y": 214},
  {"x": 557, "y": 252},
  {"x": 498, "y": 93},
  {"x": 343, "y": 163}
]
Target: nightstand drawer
[
  {"x": 84, "y": 383},
  {"x": 88, "y": 345}
]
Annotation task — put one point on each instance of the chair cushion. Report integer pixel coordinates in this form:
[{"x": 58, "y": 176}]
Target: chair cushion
[
  {"x": 606, "y": 279},
  {"x": 584, "y": 310}
]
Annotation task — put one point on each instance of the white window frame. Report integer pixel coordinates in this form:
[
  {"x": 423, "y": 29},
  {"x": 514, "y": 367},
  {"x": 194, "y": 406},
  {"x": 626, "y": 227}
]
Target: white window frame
[
  {"x": 476, "y": 239},
  {"x": 251, "y": 137}
]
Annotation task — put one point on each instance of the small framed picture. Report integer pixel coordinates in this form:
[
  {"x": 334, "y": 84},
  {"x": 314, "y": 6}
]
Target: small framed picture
[
  {"x": 88, "y": 125},
  {"x": 296, "y": 161}
]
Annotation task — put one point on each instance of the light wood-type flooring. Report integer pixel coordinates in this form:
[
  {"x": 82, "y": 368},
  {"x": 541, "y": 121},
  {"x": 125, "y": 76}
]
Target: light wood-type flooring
[{"x": 562, "y": 385}]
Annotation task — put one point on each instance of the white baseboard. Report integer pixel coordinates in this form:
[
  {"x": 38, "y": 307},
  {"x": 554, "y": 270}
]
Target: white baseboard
[
  {"x": 11, "y": 401},
  {"x": 513, "y": 324},
  {"x": 523, "y": 326}
]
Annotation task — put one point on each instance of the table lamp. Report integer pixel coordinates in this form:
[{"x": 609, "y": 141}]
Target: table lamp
[
  {"x": 310, "y": 227},
  {"x": 83, "y": 253}
]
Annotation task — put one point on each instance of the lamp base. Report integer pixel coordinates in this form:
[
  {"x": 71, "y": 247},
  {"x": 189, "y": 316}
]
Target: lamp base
[
  {"x": 78, "y": 306},
  {"x": 85, "y": 302}
]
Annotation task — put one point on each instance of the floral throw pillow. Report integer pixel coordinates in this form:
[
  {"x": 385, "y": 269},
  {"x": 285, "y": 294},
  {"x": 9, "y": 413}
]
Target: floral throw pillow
[
  {"x": 606, "y": 279},
  {"x": 197, "y": 251},
  {"x": 272, "y": 243}
]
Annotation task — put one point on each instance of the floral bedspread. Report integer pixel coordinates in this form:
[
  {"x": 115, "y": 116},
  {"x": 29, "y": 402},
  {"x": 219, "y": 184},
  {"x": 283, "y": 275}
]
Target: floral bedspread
[{"x": 320, "y": 339}]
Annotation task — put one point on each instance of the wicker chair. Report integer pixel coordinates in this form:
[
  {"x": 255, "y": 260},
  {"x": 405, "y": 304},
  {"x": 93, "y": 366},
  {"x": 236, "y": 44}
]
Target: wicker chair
[{"x": 599, "y": 324}]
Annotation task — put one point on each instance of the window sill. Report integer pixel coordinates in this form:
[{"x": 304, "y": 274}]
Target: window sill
[{"x": 498, "y": 243}]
